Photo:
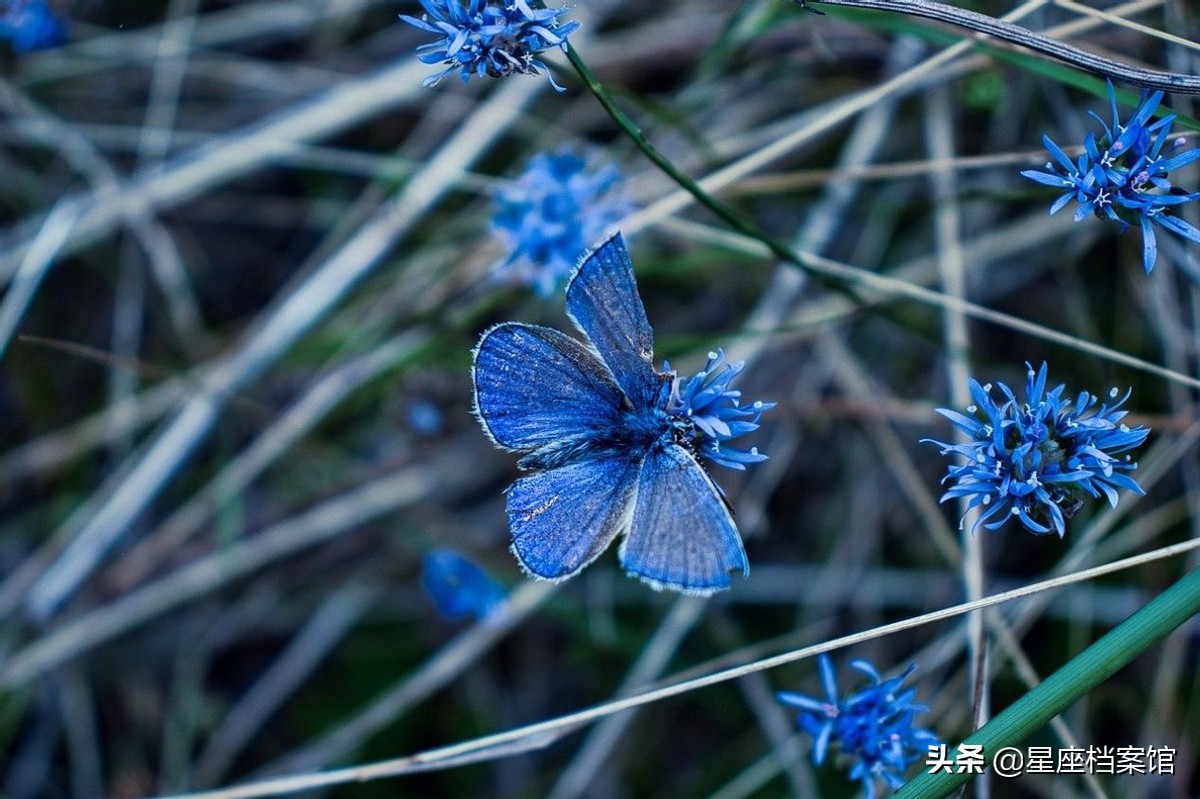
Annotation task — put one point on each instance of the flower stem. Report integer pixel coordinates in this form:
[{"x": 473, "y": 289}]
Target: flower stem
[
  {"x": 1166, "y": 612},
  {"x": 737, "y": 220}
]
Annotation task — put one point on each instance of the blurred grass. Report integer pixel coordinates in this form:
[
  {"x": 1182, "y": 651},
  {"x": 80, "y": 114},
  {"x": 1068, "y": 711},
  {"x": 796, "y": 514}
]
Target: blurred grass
[{"x": 836, "y": 544}]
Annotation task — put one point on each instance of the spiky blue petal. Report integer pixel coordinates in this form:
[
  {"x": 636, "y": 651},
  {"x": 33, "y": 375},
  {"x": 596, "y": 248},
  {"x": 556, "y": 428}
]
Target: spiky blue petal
[
  {"x": 1035, "y": 460},
  {"x": 489, "y": 38},
  {"x": 552, "y": 214},
  {"x": 709, "y": 408},
  {"x": 873, "y": 725},
  {"x": 1124, "y": 176}
]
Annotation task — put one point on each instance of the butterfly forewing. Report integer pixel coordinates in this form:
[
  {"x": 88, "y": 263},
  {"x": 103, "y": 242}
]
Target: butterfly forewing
[
  {"x": 537, "y": 387},
  {"x": 681, "y": 536},
  {"x": 603, "y": 301},
  {"x": 562, "y": 518}
]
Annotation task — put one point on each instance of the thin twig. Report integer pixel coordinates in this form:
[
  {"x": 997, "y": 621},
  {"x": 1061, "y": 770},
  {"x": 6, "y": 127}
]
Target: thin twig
[
  {"x": 439, "y": 670},
  {"x": 323, "y": 395},
  {"x": 936, "y": 298},
  {"x": 737, "y": 220},
  {"x": 893, "y": 286},
  {"x": 286, "y": 538},
  {"x": 828, "y": 116},
  {"x": 940, "y": 143},
  {"x": 294, "y": 317},
  {"x": 312, "y": 644},
  {"x": 596, "y": 751},
  {"x": 224, "y": 159},
  {"x": 1121, "y": 22},
  {"x": 426, "y": 760},
  {"x": 37, "y": 262},
  {"x": 839, "y": 276},
  {"x": 1038, "y": 42}
]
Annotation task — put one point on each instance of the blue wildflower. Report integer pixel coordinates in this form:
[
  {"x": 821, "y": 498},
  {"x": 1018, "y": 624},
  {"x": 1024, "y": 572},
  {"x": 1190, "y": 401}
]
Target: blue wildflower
[
  {"x": 873, "y": 725},
  {"x": 711, "y": 411},
  {"x": 1035, "y": 459},
  {"x": 424, "y": 418},
  {"x": 459, "y": 588},
  {"x": 30, "y": 25},
  {"x": 554, "y": 211},
  {"x": 1125, "y": 174},
  {"x": 489, "y": 38}
]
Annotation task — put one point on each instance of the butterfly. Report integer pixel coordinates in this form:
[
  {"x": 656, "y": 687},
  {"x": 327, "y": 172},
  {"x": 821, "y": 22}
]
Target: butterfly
[{"x": 607, "y": 460}]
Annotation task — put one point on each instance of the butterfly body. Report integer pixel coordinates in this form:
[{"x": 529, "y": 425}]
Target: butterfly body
[
  {"x": 633, "y": 429},
  {"x": 606, "y": 457}
]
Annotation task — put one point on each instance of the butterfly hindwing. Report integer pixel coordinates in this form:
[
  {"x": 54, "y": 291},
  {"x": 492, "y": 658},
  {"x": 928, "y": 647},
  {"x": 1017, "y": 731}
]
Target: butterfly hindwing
[
  {"x": 563, "y": 518},
  {"x": 535, "y": 386},
  {"x": 681, "y": 536},
  {"x": 603, "y": 301}
]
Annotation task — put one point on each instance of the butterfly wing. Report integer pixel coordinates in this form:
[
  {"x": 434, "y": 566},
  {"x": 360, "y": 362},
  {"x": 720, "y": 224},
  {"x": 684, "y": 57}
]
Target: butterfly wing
[
  {"x": 563, "y": 518},
  {"x": 536, "y": 387},
  {"x": 603, "y": 302},
  {"x": 682, "y": 536}
]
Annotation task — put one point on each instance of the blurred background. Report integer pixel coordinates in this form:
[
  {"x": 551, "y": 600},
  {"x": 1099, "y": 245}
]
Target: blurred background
[{"x": 245, "y": 259}]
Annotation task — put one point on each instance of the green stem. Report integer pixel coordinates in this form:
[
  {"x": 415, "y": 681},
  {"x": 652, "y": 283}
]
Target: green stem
[
  {"x": 737, "y": 220},
  {"x": 1166, "y": 612}
]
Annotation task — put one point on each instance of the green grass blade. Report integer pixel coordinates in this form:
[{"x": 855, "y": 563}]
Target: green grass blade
[{"x": 1085, "y": 671}]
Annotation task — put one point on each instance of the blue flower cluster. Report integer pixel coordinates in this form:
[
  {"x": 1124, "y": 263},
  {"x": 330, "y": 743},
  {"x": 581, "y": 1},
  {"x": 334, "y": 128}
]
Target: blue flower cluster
[
  {"x": 712, "y": 413},
  {"x": 873, "y": 725},
  {"x": 1034, "y": 459},
  {"x": 460, "y": 589},
  {"x": 1125, "y": 173},
  {"x": 554, "y": 211},
  {"x": 478, "y": 37},
  {"x": 30, "y": 25}
]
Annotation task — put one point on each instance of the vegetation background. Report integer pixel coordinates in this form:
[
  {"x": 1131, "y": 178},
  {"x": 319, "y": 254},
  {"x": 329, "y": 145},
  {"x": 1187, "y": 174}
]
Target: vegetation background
[{"x": 265, "y": 256}]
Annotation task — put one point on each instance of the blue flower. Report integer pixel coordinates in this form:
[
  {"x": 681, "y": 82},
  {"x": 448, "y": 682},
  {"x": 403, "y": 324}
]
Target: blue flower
[
  {"x": 424, "y": 418},
  {"x": 459, "y": 588},
  {"x": 478, "y": 37},
  {"x": 712, "y": 414},
  {"x": 30, "y": 25},
  {"x": 1125, "y": 174},
  {"x": 873, "y": 725},
  {"x": 1035, "y": 459},
  {"x": 556, "y": 210}
]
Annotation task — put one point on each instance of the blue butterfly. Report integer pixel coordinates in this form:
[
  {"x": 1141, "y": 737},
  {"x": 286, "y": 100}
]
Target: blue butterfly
[{"x": 607, "y": 458}]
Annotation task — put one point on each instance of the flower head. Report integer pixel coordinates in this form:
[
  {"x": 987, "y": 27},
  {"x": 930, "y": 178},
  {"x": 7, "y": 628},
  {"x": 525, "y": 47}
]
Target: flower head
[
  {"x": 1036, "y": 459},
  {"x": 458, "y": 587},
  {"x": 485, "y": 37},
  {"x": 713, "y": 413},
  {"x": 873, "y": 725},
  {"x": 30, "y": 25},
  {"x": 556, "y": 210},
  {"x": 424, "y": 417},
  {"x": 1125, "y": 174}
]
